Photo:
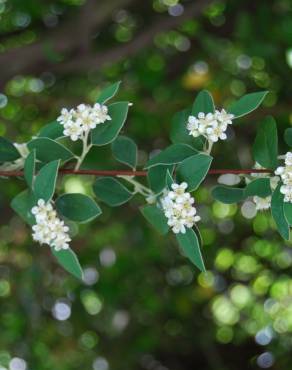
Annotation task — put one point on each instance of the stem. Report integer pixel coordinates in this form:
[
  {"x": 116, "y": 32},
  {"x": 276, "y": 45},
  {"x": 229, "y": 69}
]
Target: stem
[
  {"x": 85, "y": 150},
  {"x": 139, "y": 188},
  {"x": 132, "y": 173}
]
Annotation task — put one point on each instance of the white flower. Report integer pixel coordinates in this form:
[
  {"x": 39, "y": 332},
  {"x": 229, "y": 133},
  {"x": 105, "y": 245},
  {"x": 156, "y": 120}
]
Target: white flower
[
  {"x": 285, "y": 173},
  {"x": 178, "y": 207},
  {"x": 49, "y": 229},
  {"x": 78, "y": 122},
  {"x": 262, "y": 203},
  {"x": 211, "y": 125}
]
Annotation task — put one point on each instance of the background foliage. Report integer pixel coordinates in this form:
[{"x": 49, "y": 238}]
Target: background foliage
[{"x": 144, "y": 306}]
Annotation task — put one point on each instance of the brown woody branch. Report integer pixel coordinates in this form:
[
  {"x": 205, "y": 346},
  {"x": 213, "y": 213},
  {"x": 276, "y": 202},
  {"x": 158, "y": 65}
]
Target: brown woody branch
[
  {"x": 131, "y": 173},
  {"x": 67, "y": 48}
]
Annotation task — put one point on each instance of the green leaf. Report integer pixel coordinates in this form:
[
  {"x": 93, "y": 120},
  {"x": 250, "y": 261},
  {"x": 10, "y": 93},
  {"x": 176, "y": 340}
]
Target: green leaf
[
  {"x": 45, "y": 181},
  {"x": 288, "y": 212},
  {"x": 106, "y": 132},
  {"x": 48, "y": 150},
  {"x": 69, "y": 261},
  {"x": 288, "y": 137},
  {"x": 8, "y": 152},
  {"x": 53, "y": 130},
  {"x": 277, "y": 209},
  {"x": 125, "y": 151},
  {"x": 169, "y": 179},
  {"x": 29, "y": 168},
  {"x": 247, "y": 104},
  {"x": 265, "y": 148},
  {"x": 111, "y": 191},
  {"x": 228, "y": 195},
  {"x": 156, "y": 218},
  {"x": 157, "y": 177},
  {"x": 259, "y": 187},
  {"x": 190, "y": 245},
  {"x": 171, "y": 155},
  {"x": 77, "y": 207},
  {"x": 108, "y": 93},
  {"x": 193, "y": 170},
  {"x": 203, "y": 103},
  {"x": 179, "y": 132},
  {"x": 22, "y": 205}
]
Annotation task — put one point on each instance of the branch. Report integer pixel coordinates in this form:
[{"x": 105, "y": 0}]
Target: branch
[
  {"x": 72, "y": 36},
  {"x": 144, "y": 39},
  {"x": 67, "y": 48},
  {"x": 131, "y": 173}
]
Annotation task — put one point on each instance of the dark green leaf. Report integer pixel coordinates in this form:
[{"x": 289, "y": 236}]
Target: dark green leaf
[
  {"x": 156, "y": 218},
  {"x": 45, "y": 181},
  {"x": 190, "y": 245},
  {"x": 193, "y": 170},
  {"x": 157, "y": 177},
  {"x": 265, "y": 148},
  {"x": 48, "y": 150},
  {"x": 260, "y": 187},
  {"x": 53, "y": 130},
  {"x": 108, "y": 93},
  {"x": 29, "y": 168},
  {"x": 8, "y": 152},
  {"x": 77, "y": 207},
  {"x": 125, "y": 151},
  {"x": 69, "y": 261},
  {"x": 288, "y": 212},
  {"x": 288, "y": 137},
  {"x": 228, "y": 195},
  {"x": 203, "y": 103},
  {"x": 106, "y": 132},
  {"x": 22, "y": 205},
  {"x": 277, "y": 209},
  {"x": 171, "y": 155},
  {"x": 111, "y": 191},
  {"x": 247, "y": 104}
]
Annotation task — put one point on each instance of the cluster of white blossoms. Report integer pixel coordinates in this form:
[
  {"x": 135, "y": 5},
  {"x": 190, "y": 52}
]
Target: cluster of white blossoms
[
  {"x": 78, "y": 122},
  {"x": 212, "y": 126},
  {"x": 49, "y": 229},
  {"x": 178, "y": 207},
  {"x": 262, "y": 204},
  {"x": 285, "y": 172}
]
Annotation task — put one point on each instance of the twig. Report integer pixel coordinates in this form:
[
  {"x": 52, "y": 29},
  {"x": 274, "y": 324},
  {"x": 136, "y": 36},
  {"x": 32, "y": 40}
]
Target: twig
[{"x": 131, "y": 173}]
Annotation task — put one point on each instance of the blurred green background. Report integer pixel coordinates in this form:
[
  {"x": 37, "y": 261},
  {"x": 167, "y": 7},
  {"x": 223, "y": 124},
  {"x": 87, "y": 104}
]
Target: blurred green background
[{"x": 143, "y": 305}]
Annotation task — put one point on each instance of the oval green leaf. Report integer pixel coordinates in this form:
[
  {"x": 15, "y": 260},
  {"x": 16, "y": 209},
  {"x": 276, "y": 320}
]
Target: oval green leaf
[
  {"x": 8, "y": 152},
  {"x": 48, "y": 150},
  {"x": 247, "y": 104},
  {"x": 265, "y": 148},
  {"x": 45, "y": 181},
  {"x": 69, "y": 261},
  {"x": 77, "y": 207},
  {"x": 258, "y": 187},
  {"x": 111, "y": 191},
  {"x": 193, "y": 170},
  {"x": 108, "y": 93},
  {"x": 277, "y": 209},
  {"x": 125, "y": 151},
  {"x": 156, "y": 218},
  {"x": 190, "y": 245},
  {"x": 228, "y": 195},
  {"x": 288, "y": 137},
  {"x": 22, "y": 205},
  {"x": 203, "y": 103},
  {"x": 53, "y": 130},
  {"x": 106, "y": 132},
  {"x": 29, "y": 168},
  {"x": 173, "y": 154}
]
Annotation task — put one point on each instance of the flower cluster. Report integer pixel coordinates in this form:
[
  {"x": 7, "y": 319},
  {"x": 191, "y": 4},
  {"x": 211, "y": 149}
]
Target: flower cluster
[
  {"x": 78, "y": 122},
  {"x": 178, "y": 207},
  {"x": 212, "y": 126},
  {"x": 262, "y": 204},
  {"x": 49, "y": 229},
  {"x": 285, "y": 172}
]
